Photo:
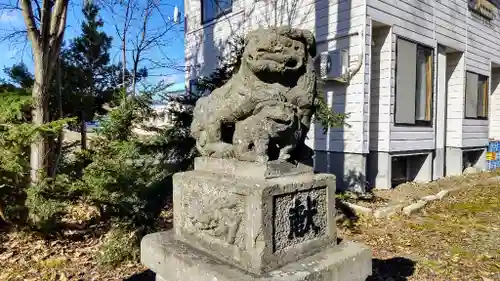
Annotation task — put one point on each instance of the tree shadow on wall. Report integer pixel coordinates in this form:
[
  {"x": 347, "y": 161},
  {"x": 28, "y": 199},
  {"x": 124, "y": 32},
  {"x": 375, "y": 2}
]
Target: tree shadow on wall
[
  {"x": 353, "y": 179},
  {"x": 393, "y": 269}
]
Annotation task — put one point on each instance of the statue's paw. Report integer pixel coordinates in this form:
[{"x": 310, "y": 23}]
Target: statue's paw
[
  {"x": 251, "y": 156},
  {"x": 222, "y": 150},
  {"x": 262, "y": 159},
  {"x": 223, "y": 154},
  {"x": 202, "y": 139},
  {"x": 242, "y": 148},
  {"x": 284, "y": 156}
]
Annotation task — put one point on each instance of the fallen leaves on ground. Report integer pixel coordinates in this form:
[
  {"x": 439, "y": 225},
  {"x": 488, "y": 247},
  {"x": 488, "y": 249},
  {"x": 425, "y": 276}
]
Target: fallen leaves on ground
[{"x": 27, "y": 257}]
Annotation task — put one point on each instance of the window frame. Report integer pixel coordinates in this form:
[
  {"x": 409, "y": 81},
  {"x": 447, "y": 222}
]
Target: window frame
[
  {"x": 217, "y": 14},
  {"x": 486, "y": 93},
  {"x": 417, "y": 123},
  {"x": 192, "y": 86}
]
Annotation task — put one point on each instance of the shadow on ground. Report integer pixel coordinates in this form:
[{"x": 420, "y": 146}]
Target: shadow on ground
[
  {"x": 147, "y": 275},
  {"x": 394, "y": 269}
]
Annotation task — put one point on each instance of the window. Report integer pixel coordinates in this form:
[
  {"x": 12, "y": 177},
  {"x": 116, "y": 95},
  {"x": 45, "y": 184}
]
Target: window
[
  {"x": 414, "y": 87},
  {"x": 213, "y": 9},
  {"x": 476, "y": 96},
  {"x": 192, "y": 87}
]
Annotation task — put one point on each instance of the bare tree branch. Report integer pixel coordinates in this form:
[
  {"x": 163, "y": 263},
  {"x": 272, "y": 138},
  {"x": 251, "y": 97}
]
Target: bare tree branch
[
  {"x": 143, "y": 27},
  {"x": 38, "y": 9},
  {"x": 45, "y": 22},
  {"x": 29, "y": 19},
  {"x": 12, "y": 35},
  {"x": 57, "y": 29}
]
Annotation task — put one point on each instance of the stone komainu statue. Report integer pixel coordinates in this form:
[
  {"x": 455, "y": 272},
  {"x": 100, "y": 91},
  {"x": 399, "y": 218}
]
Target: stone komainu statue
[{"x": 264, "y": 111}]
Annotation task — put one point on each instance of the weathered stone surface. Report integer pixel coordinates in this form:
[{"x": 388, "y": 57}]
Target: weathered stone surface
[
  {"x": 438, "y": 196},
  {"x": 172, "y": 260},
  {"x": 430, "y": 198},
  {"x": 442, "y": 194},
  {"x": 264, "y": 111},
  {"x": 340, "y": 218},
  {"x": 415, "y": 207},
  {"x": 388, "y": 211},
  {"x": 254, "y": 224},
  {"x": 235, "y": 168},
  {"x": 471, "y": 170},
  {"x": 360, "y": 209}
]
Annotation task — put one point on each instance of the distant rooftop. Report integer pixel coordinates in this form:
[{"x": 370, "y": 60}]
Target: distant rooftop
[
  {"x": 177, "y": 87},
  {"x": 174, "y": 89}
]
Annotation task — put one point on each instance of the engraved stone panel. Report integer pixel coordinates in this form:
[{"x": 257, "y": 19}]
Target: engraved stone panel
[
  {"x": 298, "y": 217},
  {"x": 217, "y": 215}
]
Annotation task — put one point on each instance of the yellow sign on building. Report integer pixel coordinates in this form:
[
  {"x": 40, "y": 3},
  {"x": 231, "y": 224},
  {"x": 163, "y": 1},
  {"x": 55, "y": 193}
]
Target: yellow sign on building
[{"x": 490, "y": 156}]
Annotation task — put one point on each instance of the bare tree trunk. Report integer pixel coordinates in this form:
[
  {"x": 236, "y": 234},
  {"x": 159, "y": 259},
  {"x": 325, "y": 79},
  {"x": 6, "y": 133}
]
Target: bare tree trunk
[
  {"x": 60, "y": 138},
  {"x": 124, "y": 65},
  {"x": 134, "y": 79},
  {"x": 83, "y": 131},
  {"x": 2, "y": 213},
  {"x": 40, "y": 148},
  {"x": 124, "y": 44},
  {"x": 139, "y": 45},
  {"x": 134, "y": 71},
  {"x": 46, "y": 38}
]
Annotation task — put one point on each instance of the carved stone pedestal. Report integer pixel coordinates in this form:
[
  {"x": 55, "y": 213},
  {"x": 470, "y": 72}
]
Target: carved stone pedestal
[
  {"x": 237, "y": 220},
  {"x": 249, "y": 216}
]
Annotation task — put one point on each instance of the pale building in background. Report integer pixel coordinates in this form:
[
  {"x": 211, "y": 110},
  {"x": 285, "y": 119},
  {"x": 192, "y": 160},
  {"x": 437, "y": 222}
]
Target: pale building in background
[{"x": 164, "y": 110}]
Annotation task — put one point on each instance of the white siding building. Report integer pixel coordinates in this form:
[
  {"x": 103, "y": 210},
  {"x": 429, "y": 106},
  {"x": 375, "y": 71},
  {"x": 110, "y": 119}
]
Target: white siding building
[{"x": 423, "y": 75}]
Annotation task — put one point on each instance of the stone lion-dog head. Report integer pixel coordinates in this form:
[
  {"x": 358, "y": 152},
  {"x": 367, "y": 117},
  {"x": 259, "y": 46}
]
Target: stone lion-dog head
[{"x": 278, "y": 53}]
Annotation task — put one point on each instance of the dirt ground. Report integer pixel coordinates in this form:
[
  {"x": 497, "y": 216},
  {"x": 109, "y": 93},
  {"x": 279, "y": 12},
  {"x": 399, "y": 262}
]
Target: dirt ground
[{"x": 455, "y": 239}]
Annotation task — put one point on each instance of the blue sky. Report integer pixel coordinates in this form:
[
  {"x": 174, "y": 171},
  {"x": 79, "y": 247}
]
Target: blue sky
[{"x": 173, "y": 51}]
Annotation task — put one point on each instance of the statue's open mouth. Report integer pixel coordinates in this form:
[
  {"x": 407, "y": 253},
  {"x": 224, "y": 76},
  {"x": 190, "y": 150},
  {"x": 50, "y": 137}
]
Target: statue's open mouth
[{"x": 291, "y": 63}]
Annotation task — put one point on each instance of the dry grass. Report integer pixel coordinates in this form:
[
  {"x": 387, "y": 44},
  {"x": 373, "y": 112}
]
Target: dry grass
[{"x": 455, "y": 239}]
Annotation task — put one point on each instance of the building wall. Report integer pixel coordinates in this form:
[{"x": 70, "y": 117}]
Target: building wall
[
  {"x": 205, "y": 43},
  {"x": 495, "y": 105},
  {"x": 483, "y": 48},
  {"x": 455, "y": 71},
  {"x": 382, "y": 85},
  {"x": 413, "y": 19},
  {"x": 451, "y": 24}
]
